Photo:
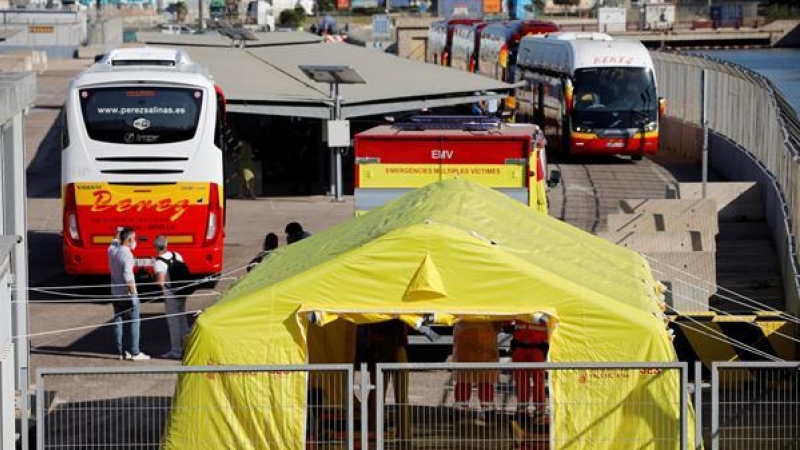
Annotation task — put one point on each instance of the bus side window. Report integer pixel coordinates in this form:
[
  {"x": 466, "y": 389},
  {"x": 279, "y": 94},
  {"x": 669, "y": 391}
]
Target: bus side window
[
  {"x": 64, "y": 131},
  {"x": 220, "y": 125},
  {"x": 219, "y": 133}
]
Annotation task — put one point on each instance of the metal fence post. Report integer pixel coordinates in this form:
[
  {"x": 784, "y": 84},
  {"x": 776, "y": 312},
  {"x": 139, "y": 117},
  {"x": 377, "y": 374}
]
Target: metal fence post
[
  {"x": 365, "y": 388},
  {"x": 350, "y": 413},
  {"x": 684, "y": 370},
  {"x": 379, "y": 406},
  {"x": 698, "y": 405},
  {"x": 39, "y": 411},
  {"x": 714, "y": 406}
]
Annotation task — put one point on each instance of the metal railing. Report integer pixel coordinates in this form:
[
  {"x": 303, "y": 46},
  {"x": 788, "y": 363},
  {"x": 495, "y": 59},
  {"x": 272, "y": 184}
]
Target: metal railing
[
  {"x": 755, "y": 405},
  {"x": 428, "y": 406},
  {"x": 477, "y": 405},
  {"x": 749, "y": 113},
  {"x": 101, "y": 408}
]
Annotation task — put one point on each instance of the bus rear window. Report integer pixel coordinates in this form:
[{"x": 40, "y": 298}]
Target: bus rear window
[{"x": 141, "y": 115}]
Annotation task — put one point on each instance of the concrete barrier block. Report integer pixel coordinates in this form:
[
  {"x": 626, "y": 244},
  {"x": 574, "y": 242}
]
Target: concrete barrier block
[
  {"x": 17, "y": 62},
  {"x": 645, "y": 223},
  {"x": 690, "y": 278},
  {"x": 682, "y": 139},
  {"x": 736, "y": 201},
  {"x": 668, "y": 207},
  {"x": 676, "y": 241},
  {"x": 90, "y": 51}
]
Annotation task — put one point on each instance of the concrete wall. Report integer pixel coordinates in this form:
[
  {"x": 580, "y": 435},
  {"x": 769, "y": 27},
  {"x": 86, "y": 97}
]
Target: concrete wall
[
  {"x": 106, "y": 31},
  {"x": 64, "y": 23},
  {"x": 17, "y": 94},
  {"x": 754, "y": 137}
]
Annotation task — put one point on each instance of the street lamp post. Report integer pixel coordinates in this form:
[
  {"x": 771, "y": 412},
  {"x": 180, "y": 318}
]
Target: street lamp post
[{"x": 338, "y": 130}]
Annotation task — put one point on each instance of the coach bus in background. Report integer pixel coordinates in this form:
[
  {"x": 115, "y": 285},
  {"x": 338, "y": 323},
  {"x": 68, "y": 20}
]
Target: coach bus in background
[
  {"x": 499, "y": 42},
  {"x": 440, "y": 40},
  {"x": 592, "y": 94},
  {"x": 466, "y": 43},
  {"x": 143, "y": 147}
]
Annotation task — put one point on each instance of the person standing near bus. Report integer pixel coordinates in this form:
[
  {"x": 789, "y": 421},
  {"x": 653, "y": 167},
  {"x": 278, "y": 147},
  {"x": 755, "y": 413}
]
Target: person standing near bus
[
  {"x": 174, "y": 303},
  {"x": 126, "y": 297},
  {"x": 245, "y": 160}
]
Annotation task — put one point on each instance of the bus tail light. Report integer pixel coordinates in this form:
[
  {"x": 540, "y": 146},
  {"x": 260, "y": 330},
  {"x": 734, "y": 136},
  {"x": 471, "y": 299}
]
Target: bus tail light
[
  {"x": 445, "y": 58},
  {"x": 214, "y": 215},
  {"x": 662, "y": 107},
  {"x": 504, "y": 57},
  {"x": 71, "y": 215},
  {"x": 472, "y": 65},
  {"x": 568, "y": 95}
]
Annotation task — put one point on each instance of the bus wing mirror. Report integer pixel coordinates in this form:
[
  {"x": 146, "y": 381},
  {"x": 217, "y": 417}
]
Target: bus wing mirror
[
  {"x": 554, "y": 179},
  {"x": 662, "y": 107},
  {"x": 99, "y": 57},
  {"x": 568, "y": 96}
]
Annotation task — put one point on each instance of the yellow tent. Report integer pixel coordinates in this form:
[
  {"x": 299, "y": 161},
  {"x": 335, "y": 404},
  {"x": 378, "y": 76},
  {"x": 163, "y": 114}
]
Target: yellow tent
[{"x": 457, "y": 250}]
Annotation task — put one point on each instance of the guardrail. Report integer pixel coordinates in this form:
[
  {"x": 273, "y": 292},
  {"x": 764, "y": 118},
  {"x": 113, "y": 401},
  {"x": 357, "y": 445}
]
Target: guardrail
[{"x": 749, "y": 114}]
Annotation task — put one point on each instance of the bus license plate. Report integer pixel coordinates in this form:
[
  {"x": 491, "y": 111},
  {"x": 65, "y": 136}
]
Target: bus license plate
[
  {"x": 144, "y": 262},
  {"x": 615, "y": 144}
]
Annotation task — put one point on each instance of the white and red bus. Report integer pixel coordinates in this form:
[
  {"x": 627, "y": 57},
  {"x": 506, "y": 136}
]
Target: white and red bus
[
  {"x": 143, "y": 147},
  {"x": 440, "y": 40},
  {"x": 591, "y": 94},
  {"x": 465, "y": 47},
  {"x": 497, "y": 53}
]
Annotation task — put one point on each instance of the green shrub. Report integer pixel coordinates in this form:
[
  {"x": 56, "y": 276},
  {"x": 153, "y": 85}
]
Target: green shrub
[
  {"x": 290, "y": 18},
  {"x": 325, "y": 5}
]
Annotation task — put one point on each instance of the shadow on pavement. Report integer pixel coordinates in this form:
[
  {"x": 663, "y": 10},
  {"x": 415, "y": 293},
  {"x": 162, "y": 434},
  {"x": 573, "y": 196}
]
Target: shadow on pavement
[
  {"x": 154, "y": 339},
  {"x": 44, "y": 172}
]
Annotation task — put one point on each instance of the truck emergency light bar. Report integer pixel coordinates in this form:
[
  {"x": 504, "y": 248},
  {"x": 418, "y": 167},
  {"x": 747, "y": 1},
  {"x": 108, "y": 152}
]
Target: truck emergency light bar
[{"x": 471, "y": 123}]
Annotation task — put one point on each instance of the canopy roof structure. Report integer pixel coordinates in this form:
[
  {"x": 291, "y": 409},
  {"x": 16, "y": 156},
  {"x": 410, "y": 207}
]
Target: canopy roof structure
[
  {"x": 264, "y": 78},
  {"x": 460, "y": 252}
]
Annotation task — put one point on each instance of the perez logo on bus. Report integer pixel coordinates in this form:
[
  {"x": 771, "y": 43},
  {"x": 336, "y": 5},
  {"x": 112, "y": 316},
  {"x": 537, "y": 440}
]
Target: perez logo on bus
[
  {"x": 141, "y": 123},
  {"x": 104, "y": 200}
]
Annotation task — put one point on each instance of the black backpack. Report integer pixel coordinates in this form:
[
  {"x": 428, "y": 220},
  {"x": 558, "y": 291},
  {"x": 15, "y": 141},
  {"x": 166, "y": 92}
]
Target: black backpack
[{"x": 178, "y": 274}]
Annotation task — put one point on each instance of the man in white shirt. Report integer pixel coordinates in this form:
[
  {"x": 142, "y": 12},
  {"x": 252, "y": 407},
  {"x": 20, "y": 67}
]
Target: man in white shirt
[
  {"x": 126, "y": 297},
  {"x": 174, "y": 304}
]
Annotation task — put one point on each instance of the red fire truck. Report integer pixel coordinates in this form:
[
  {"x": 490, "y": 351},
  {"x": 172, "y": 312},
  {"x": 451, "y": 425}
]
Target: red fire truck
[{"x": 391, "y": 160}]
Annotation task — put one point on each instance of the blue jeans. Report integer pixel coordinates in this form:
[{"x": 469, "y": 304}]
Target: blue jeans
[{"x": 128, "y": 311}]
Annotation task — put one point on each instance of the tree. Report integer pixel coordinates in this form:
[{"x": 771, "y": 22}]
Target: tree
[
  {"x": 181, "y": 11},
  {"x": 325, "y": 5}
]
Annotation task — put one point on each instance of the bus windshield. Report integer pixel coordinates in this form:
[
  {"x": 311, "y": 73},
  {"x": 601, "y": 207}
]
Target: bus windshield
[
  {"x": 136, "y": 115},
  {"x": 614, "y": 97}
]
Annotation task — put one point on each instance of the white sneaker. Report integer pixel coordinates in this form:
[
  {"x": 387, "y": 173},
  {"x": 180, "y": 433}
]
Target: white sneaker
[
  {"x": 124, "y": 356},
  {"x": 141, "y": 356}
]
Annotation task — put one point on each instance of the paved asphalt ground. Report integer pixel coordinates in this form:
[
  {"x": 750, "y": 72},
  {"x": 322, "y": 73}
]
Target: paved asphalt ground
[{"x": 92, "y": 343}]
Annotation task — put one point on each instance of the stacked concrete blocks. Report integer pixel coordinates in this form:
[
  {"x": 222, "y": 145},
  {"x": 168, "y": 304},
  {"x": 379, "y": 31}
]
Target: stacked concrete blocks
[{"x": 678, "y": 238}]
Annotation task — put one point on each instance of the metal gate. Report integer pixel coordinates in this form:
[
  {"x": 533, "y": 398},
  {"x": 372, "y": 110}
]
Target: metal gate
[{"x": 755, "y": 405}]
